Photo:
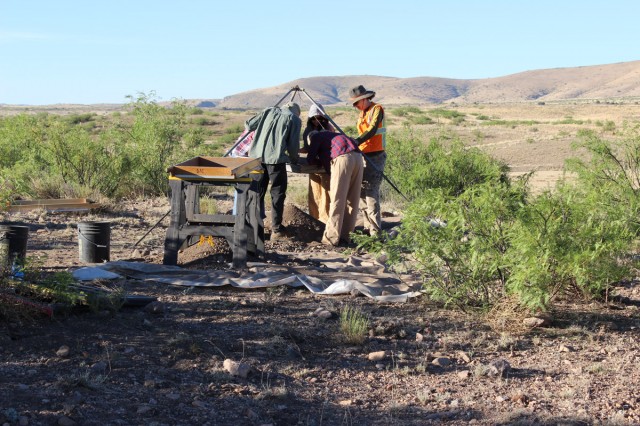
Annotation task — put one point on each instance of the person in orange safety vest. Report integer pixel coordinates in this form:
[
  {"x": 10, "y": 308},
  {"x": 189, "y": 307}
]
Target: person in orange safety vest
[{"x": 372, "y": 142}]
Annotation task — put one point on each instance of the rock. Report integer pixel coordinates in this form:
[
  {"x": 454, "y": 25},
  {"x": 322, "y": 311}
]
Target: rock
[
  {"x": 441, "y": 361},
  {"x": 63, "y": 351},
  {"x": 325, "y": 315},
  {"x": 498, "y": 367},
  {"x": 156, "y": 308},
  {"x": 235, "y": 368},
  {"x": 419, "y": 337},
  {"x": 322, "y": 313},
  {"x": 520, "y": 398},
  {"x": 464, "y": 374},
  {"x": 464, "y": 356},
  {"x": 535, "y": 321},
  {"x": 377, "y": 356},
  {"x": 566, "y": 348}
]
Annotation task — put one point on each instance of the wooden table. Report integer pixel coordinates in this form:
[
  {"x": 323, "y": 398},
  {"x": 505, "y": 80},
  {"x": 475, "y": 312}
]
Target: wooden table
[{"x": 243, "y": 228}]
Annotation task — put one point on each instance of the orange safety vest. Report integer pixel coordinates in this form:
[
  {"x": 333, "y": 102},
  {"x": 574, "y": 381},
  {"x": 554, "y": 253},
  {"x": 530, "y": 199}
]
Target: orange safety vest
[{"x": 366, "y": 119}]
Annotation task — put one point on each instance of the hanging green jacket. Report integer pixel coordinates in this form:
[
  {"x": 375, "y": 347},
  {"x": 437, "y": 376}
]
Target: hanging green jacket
[{"x": 277, "y": 134}]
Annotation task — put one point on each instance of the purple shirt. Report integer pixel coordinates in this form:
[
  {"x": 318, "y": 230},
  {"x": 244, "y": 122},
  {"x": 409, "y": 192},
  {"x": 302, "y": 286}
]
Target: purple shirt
[{"x": 325, "y": 146}]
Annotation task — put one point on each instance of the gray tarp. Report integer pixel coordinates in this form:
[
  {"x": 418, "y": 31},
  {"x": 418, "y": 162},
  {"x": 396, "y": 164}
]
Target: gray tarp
[{"x": 335, "y": 275}]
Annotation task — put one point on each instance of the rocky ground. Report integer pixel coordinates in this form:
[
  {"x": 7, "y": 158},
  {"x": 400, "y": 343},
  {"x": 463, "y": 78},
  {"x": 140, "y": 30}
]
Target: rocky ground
[{"x": 224, "y": 356}]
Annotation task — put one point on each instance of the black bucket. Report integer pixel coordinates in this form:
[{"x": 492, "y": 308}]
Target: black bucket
[
  {"x": 13, "y": 244},
  {"x": 93, "y": 241}
]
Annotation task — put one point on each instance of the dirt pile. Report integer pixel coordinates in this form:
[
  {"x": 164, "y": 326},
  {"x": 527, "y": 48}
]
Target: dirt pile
[{"x": 301, "y": 225}]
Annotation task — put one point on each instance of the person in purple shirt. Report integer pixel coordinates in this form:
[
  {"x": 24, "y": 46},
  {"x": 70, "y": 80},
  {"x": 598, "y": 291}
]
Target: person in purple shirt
[{"x": 341, "y": 158}]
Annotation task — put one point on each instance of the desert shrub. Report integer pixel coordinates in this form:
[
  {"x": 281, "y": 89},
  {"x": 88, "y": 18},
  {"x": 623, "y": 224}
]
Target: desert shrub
[
  {"x": 609, "y": 126},
  {"x": 566, "y": 241},
  {"x": 235, "y": 129},
  {"x": 84, "y": 161},
  {"x": 457, "y": 242},
  {"x": 24, "y": 152},
  {"x": 475, "y": 236},
  {"x": 193, "y": 138},
  {"x": 129, "y": 155},
  {"x": 80, "y": 118},
  {"x": 6, "y": 192},
  {"x": 353, "y": 324},
  {"x": 417, "y": 165},
  {"x": 446, "y": 113},
  {"x": 153, "y": 142},
  {"x": 510, "y": 123},
  {"x": 611, "y": 170},
  {"x": 569, "y": 120},
  {"x": 421, "y": 119},
  {"x": 406, "y": 110},
  {"x": 350, "y": 130},
  {"x": 204, "y": 121}
]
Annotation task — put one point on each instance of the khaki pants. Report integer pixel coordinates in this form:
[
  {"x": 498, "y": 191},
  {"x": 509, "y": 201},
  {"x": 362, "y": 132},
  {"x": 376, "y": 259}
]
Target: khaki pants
[
  {"x": 346, "y": 180},
  {"x": 319, "y": 199},
  {"x": 370, "y": 196}
]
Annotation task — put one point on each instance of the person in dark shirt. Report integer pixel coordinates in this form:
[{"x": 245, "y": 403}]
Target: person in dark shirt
[
  {"x": 319, "y": 201},
  {"x": 341, "y": 158}
]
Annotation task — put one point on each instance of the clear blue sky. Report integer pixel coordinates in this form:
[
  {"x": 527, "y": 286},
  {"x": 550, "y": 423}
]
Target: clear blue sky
[{"x": 87, "y": 51}]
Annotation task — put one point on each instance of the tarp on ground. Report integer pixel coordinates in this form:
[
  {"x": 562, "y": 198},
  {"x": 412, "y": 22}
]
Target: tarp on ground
[{"x": 333, "y": 275}]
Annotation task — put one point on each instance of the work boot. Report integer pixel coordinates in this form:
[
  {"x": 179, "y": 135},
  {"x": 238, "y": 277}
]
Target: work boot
[{"x": 278, "y": 233}]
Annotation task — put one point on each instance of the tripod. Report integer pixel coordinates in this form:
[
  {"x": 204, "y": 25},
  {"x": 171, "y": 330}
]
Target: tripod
[{"x": 296, "y": 90}]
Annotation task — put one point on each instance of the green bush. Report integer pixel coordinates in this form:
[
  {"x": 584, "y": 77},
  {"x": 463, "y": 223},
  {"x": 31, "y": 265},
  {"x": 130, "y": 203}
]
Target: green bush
[
  {"x": 446, "y": 113},
  {"x": 421, "y": 119},
  {"x": 406, "y": 110},
  {"x": 6, "y": 192},
  {"x": 566, "y": 242},
  {"x": 475, "y": 236},
  {"x": 417, "y": 165},
  {"x": 611, "y": 170},
  {"x": 457, "y": 242},
  {"x": 129, "y": 155}
]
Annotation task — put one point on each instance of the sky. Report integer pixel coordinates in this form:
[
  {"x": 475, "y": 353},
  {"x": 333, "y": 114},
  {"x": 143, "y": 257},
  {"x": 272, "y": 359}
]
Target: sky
[{"x": 88, "y": 52}]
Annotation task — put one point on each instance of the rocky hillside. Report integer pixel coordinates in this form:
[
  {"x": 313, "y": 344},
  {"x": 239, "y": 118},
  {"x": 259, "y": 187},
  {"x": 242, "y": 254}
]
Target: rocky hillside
[{"x": 612, "y": 81}]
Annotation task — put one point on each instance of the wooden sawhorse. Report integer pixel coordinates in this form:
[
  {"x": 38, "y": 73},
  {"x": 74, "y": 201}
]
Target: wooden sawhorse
[{"x": 243, "y": 229}]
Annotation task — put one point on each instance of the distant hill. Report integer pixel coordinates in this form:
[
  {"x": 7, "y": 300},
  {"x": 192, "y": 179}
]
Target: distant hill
[{"x": 601, "y": 82}]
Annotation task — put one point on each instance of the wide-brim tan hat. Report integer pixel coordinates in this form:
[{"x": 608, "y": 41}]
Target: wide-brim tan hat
[{"x": 359, "y": 92}]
